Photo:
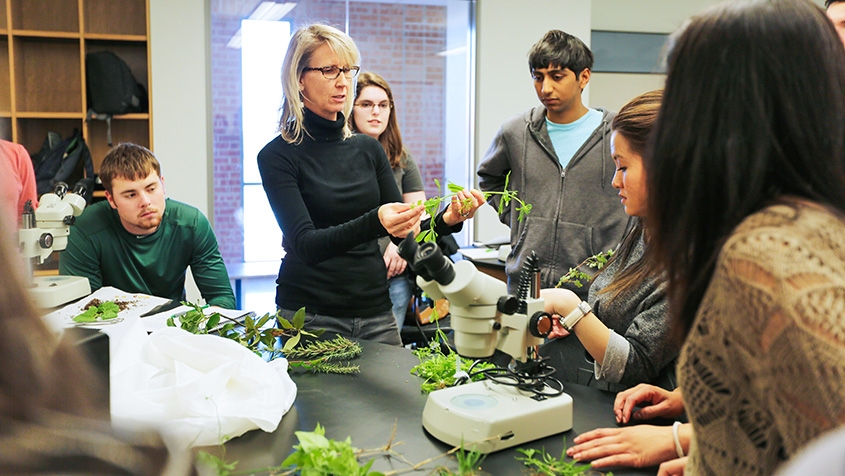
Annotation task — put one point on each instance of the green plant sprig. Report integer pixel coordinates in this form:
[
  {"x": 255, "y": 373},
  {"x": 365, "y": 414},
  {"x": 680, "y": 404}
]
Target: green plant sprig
[
  {"x": 469, "y": 463},
  {"x": 320, "y": 356},
  {"x": 258, "y": 337},
  {"x": 438, "y": 369},
  {"x": 508, "y": 195},
  {"x": 194, "y": 320},
  {"x": 316, "y": 454},
  {"x": 433, "y": 204},
  {"x": 542, "y": 463},
  {"x": 338, "y": 348},
  {"x": 576, "y": 275}
]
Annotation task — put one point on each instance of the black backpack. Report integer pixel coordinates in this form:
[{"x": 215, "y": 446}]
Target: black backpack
[
  {"x": 112, "y": 88},
  {"x": 67, "y": 160}
]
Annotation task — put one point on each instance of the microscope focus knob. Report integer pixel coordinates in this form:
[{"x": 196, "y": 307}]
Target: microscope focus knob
[
  {"x": 540, "y": 324},
  {"x": 45, "y": 241},
  {"x": 508, "y": 304}
]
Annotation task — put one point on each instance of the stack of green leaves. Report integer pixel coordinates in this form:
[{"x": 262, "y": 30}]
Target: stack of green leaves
[{"x": 102, "y": 312}]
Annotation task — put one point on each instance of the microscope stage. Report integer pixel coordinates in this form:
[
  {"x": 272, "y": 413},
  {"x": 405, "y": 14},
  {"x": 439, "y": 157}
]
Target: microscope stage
[
  {"x": 53, "y": 291},
  {"x": 486, "y": 417}
]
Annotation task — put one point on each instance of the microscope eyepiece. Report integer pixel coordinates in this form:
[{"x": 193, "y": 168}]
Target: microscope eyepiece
[
  {"x": 439, "y": 267},
  {"x": 60, "y": 189},
  {"x": 426, "y": 260},
  {"x": 408, "y": 248}
]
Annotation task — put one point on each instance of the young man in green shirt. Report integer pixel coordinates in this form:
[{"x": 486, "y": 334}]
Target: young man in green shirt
[{"x": 141, "y": 242}]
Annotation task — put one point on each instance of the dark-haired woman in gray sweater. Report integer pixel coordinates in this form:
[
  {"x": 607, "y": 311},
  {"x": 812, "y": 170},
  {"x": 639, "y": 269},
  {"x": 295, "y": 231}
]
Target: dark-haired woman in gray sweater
[{"x": 624, "y": 324}]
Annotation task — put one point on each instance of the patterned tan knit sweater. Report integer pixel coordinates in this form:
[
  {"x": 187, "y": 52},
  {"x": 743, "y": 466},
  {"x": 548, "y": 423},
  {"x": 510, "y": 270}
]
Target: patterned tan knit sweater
[{"x": 763, "y": 368}]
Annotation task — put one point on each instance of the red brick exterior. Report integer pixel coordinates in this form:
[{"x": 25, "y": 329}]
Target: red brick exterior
[{"x": 399, "y": 42}]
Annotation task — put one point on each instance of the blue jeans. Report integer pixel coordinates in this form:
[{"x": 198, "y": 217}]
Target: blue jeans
[
  {"x": 381, "y": 328},
  {"x": 401, "y": 289}
]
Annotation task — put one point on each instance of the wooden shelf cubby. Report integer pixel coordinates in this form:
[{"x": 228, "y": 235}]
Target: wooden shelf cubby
[
  {"x": 45, "y": 15},
  {"x": 43, "y": 44},
  {"x": 5, "y": 78}
]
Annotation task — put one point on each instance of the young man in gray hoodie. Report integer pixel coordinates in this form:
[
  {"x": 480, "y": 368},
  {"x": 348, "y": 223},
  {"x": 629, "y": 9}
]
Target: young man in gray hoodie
[{"x": 558, "y": 157}]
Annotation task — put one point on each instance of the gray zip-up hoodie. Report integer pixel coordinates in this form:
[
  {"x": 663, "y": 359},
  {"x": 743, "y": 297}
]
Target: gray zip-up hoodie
[{"x": 575, "y": 211}]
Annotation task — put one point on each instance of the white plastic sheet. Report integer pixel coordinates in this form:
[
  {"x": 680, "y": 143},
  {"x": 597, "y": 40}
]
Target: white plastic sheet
[{"x": 198, "y": 390}]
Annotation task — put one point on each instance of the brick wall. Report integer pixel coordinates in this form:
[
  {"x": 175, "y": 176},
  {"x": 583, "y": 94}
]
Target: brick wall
[
  {"x": 399, "y": 42},
  {"x": 226, "y": 124}
]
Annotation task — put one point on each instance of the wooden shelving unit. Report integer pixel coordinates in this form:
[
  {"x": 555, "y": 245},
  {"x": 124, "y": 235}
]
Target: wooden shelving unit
[{"x": 43, "y": 44}]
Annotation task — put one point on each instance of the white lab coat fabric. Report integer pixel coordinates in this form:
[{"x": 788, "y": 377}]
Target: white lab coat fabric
[{"x": 198, "y": 390}]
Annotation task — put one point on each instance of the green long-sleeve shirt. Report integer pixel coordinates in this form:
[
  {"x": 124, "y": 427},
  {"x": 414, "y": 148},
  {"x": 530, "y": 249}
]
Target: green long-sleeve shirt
[{"x": 100, "y": 249}]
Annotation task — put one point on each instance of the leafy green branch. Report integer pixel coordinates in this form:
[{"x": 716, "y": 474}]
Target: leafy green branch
[
  {"x": 433, "y": 204},
  {"x": 576, "y": 275},
  {"x": 260, "y": 337},
  {"x": 321, "y": 356},
  {"x": 316, "y": 454}
]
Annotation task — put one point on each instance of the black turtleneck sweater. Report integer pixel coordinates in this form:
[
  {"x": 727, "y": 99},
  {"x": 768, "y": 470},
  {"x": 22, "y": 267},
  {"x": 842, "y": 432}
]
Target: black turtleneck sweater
[{"x": 325, "y": 193}]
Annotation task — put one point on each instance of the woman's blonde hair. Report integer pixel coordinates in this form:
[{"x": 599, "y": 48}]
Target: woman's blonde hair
[{"x": 304, "y": 42}]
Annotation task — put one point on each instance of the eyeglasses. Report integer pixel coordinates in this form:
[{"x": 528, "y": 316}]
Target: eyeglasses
[
  {"x": 372, "y": 105},
  {"x": 333, "y": 72}
]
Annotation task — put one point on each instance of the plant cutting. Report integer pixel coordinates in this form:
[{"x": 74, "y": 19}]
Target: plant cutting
[
  {"x": 542, "y": 463},
  {"x": 99, "y": 311},
  {"x": 315, "y": 454},
  {"x": 432, "y": 205},
  {"x": 261, "y": 338},
  {"x": 439, "y": 368},
  {"x": 576, "y": 275}
]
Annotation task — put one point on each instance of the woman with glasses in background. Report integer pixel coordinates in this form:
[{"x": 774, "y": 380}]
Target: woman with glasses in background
[
  {"x": 373, "y": 114},
  {"x": 333, "y": 195}
]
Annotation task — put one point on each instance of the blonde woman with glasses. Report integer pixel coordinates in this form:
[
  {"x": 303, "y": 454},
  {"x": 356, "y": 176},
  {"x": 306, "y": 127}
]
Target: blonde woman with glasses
[{"x": 333, "y": 195}]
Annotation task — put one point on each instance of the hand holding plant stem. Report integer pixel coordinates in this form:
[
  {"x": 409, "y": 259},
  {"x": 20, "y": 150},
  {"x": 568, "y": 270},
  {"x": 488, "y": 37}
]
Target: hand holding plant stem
[{"x": 432, "y": 205}]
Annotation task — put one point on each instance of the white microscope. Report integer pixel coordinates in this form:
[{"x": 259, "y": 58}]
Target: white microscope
[
  {"x": 515, "y": 405},
  {"x": 46, "y": 230}
]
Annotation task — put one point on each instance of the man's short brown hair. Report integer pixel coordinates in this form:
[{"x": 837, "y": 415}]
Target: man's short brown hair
[{"x": 127, "y": 161}]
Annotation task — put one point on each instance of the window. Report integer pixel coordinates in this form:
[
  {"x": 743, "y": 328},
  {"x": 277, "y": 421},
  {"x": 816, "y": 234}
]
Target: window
[{"x": 423, "y": 48}]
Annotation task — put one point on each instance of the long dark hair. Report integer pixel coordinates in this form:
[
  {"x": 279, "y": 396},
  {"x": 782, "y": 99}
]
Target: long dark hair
[
  {"x": 39, "y": 372},
  {"x": 753, "y": 112},
  {"x": 635, "y": 122}
]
